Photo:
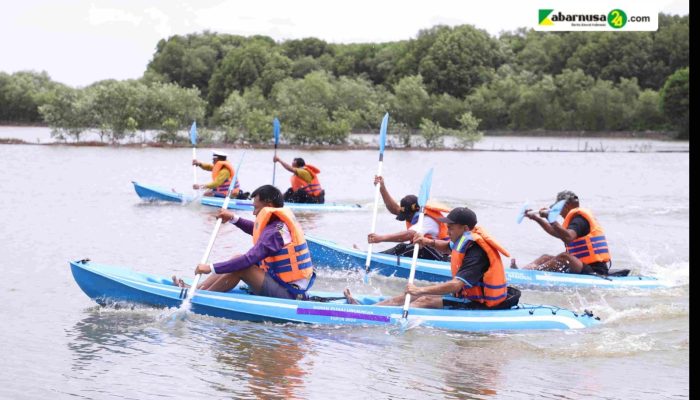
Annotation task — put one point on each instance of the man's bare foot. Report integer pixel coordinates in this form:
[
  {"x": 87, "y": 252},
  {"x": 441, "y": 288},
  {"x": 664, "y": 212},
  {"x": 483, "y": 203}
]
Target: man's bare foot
[
  {"x": 179, "y": 282},
  {"x": 512, "y": 264},
  {"x": 348, "y": 297}
]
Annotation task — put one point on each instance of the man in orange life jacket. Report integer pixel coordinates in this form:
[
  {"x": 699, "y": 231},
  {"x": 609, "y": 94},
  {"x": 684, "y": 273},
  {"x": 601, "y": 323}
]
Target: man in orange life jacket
[
  {"x": 478, "y": 277},
  {"x": 221, "y": 174},
  {"x": 305, "y": 185},
  {"x": 586, "y": 246},
  {"x": 406, "y": 211},
  {"x": 279, "y": 263}
]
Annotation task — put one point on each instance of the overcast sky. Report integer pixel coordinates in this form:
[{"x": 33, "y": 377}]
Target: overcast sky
[{"x": 79, "y": 42}]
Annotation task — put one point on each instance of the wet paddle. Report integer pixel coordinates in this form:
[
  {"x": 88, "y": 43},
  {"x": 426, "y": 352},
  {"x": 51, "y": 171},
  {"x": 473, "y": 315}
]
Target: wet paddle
[
  {"x": 555, "y": 210},
  {"x": 190, "y": 292},
  {"x": 521, "y": 213},
  {"x": 382, "y": 142},
  {"x": 193, "y": 139},
  {"x": 276, "y": 132},
  {"x": 422, "y": 199}
]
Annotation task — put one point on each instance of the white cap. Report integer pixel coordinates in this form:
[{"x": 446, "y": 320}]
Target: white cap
[{"x": 219, "y": 153}]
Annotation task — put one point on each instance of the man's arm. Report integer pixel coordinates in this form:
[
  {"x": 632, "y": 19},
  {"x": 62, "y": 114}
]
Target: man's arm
[
  {"x": 270, "y": 242},
  {"x": 389, "y": 201},
  {"x": 284, "y": 164},
  {"x": 554, "y": 229},
  {"x": 442, "y": 246},
  {"x": 402, "y": 236},
  {"x": 203, "y": 165}
]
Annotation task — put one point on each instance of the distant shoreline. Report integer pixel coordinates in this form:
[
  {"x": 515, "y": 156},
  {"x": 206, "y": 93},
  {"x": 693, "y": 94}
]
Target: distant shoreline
[{"x": 344, "y": 147}]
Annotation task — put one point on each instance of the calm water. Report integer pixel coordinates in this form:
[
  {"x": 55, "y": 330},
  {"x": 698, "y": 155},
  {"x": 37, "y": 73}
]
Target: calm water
[{"x": 57, "y": 344}]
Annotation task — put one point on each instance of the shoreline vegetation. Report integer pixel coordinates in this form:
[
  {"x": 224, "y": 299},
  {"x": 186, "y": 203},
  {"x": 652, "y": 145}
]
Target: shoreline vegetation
[
  {"x": 520, "y": 82},
  {"x": 356, "y": 144}
]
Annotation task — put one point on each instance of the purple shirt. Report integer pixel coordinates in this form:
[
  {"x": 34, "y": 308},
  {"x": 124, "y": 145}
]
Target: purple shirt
[{"x": 269, "y": 243}]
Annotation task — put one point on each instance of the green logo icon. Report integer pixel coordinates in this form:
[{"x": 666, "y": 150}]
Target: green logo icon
[
  {"x": 544, "y": 18},
  {"x": 617, "y": 18}
]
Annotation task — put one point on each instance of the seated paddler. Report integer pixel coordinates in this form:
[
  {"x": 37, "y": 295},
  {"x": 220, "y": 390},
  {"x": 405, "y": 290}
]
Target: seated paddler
[
  {"x": 221, "y": 174},
  {"x": 478, "y": 276},
  {"x": 279, "y": 263},
  {"x": 407, "y": 211}
]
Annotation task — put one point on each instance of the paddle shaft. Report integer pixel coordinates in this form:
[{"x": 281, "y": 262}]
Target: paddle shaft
[
  {"x": 212, "y": 238},
  {"x": 274, "y": 167},
  {"x": 194, "y": 167},
  {"x": 407, "y": 302},
  {"x": 374, "y": 213}
]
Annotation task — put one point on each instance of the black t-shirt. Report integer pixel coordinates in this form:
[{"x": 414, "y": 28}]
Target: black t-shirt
[
  {"x": 474, "y": 265},
  {"x": 582, "y": 228},
  {"x": 579, "y": 225}
]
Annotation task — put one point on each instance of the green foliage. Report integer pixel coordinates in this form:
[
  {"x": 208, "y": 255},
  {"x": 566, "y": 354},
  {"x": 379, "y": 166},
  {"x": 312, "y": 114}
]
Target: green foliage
[
  {"x": 67, "y": 113},
  {"x": 675, "y": 101},
  {"x": 170, "y": 127},
  {"x": 410, "y": 102},
  {"x": 320, "y": 91},
  {"x": 433, "y": 134},
  {"x": 402, "y": 131},
  {"x": 468, "y": 132},
  {"x": 256, "y": 62},
  {"x": 460, "y": 60},
  {"x": 22, "y": 93}
]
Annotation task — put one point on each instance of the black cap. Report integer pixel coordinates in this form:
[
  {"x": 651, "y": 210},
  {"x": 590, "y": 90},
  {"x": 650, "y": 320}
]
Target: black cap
[
  {"x": 409, "y": 205},
  {"x": 567, "y": 195},
  {"x": 461, "y": 216}
]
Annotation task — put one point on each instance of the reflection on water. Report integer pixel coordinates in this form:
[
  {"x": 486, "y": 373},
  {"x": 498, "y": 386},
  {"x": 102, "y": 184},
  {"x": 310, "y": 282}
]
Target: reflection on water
[{"x": 272, "y": 366}]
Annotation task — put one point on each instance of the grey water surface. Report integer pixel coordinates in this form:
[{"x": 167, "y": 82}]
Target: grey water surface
[{"x": 62, "y": 203}]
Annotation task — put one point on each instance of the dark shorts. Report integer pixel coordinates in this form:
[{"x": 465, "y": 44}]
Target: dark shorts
[
  {"x": 271, "y": 288},
  {"x": 461, "y": 303},
  {"x": 600, "y": 268},
  {"x": 425, "y": 253}
]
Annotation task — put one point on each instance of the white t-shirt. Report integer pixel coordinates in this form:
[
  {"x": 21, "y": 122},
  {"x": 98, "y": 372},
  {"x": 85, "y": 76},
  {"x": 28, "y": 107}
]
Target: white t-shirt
[{"x": 430, "y": 226}]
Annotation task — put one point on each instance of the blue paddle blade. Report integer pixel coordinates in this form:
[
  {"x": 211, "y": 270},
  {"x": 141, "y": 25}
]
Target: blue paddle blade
[
  {"x": 424, "y": 193},
  {"x": 276, "y": 130},
  {"x": 555, "y": 210},
  {"x": 193, "y": 133},
  {"x": 382, "y": 132},
  {"x": 521, "y": 213}
]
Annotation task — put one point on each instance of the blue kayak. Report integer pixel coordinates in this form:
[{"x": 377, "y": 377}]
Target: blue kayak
[
  {"x": 109, "y": 285},
  {"x": 154, "y": 193},
  {"x": 330, "y": 254}
]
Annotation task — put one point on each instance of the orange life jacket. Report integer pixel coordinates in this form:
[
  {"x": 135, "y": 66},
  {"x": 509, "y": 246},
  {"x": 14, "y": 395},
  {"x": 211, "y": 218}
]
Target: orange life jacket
[
  {"x": 493, "y": 288},
  {"x": 433, "y": 211},
  {"x": 313, "y": 188},
  {"x": 293, "y": 261},
  {"x": 222, "y": 189},
  {"x": 592, "y": 247}
]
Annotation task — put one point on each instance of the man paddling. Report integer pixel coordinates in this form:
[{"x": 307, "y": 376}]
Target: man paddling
[
  {"x": 586, "y": 246},
  {"x": 279, "y": 263},
  {"x": 221, "y": 174},
  {"x": 407, "y": 210},
  {"x": 306, "y": 187},
  {"x": 478, "y": 277}
]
